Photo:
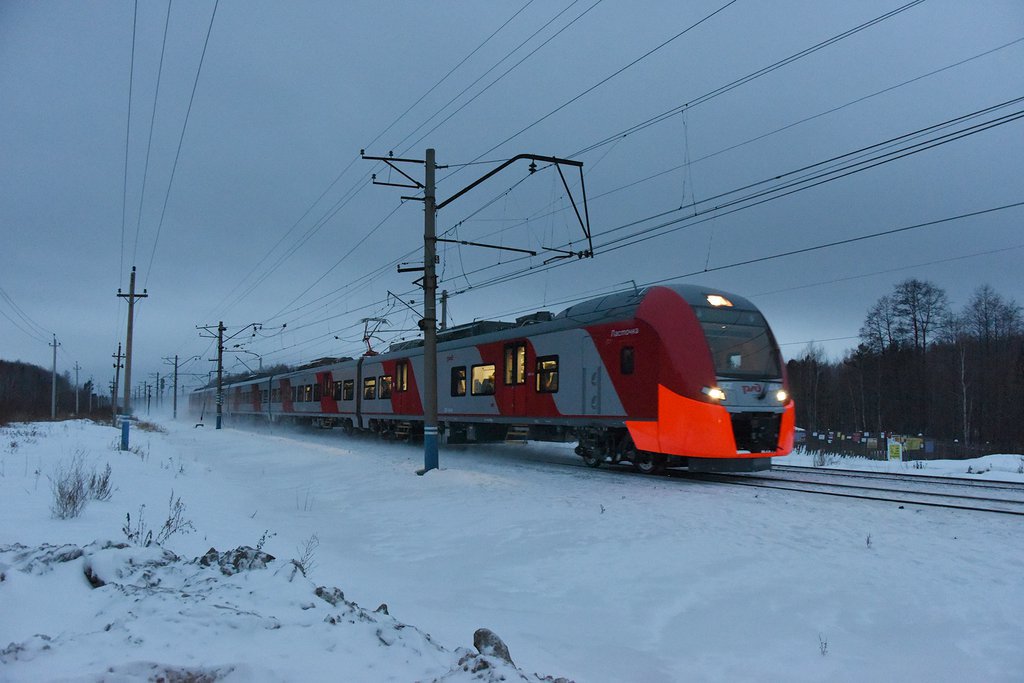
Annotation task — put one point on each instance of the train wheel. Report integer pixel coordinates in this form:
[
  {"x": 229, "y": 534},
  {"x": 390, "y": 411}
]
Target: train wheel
[
  {"x": 646, "y": 462},
  {"x": 591, "y": 459}
]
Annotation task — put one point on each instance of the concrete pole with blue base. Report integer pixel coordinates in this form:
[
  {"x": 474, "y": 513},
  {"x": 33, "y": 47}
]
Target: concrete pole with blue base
[
  {"x": 125, "y": 422},
  {"x": 430, "y": 457}
]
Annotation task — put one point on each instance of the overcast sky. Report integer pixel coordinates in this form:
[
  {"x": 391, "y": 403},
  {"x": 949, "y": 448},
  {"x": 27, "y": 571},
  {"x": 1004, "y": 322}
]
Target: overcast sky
[{"x": 261, "y": 211}]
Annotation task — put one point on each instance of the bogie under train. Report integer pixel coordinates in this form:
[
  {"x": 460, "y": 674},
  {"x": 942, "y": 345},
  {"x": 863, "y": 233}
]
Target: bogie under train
[{"x": 671, "y": 375}]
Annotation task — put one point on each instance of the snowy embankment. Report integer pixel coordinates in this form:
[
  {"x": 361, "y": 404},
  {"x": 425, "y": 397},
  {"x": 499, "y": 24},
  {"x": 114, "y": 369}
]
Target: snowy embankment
[{"x": 593, "y": 575}]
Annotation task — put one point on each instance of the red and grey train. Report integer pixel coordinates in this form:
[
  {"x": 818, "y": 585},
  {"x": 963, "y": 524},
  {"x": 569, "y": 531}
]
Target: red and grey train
[{"x": 675, "y": 375}]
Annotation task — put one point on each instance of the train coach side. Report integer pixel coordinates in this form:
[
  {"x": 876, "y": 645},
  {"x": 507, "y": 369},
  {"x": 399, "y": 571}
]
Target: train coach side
[{"x": 664, "y": 375}]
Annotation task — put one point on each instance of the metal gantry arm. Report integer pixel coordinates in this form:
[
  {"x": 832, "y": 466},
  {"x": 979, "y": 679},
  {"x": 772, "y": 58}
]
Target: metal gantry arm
[{"x": 584, "y": 218}]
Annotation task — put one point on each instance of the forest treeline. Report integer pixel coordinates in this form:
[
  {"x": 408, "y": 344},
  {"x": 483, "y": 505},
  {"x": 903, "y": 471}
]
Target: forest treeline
[
  {"x": 922, "y": 368},
  {"x": 25, "y": 393}
]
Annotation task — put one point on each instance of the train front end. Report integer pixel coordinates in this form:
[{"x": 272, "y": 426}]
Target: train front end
[{"x": 723, "y": 401}]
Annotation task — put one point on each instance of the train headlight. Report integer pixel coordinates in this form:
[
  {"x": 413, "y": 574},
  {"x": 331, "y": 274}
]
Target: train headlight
[
  {"x": 781, "y": 396},
  {"x": 714, "y": 393}
]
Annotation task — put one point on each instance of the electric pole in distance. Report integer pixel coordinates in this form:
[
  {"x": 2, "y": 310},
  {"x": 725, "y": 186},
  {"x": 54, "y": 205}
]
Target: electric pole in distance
[
  {"x": 220, "y": 358},
  {"x": 174, "y": 409},
  {"x": 131, "y": 296},
  {"x": 53, "y": 381},
  {"x": 429, "y": 282},
  {"x": 117, "y": 379}
]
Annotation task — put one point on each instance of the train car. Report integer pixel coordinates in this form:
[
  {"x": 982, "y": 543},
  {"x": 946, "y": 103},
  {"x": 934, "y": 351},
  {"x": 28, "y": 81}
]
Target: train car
[{"x": 673, "y": 375}]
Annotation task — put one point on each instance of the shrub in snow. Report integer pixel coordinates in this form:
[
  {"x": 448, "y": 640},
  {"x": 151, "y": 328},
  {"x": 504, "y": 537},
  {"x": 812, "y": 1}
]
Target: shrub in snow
[
  {"x": 70, "y": 490},
  {"x": 99, "y": 485},
  {"x": 175, "y": 523},
  {"x": 307, "y": 552}
]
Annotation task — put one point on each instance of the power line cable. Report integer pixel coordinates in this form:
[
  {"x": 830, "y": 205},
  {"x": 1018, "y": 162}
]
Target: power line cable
[
  {"x": 127, "y": 134},
  {"x": 351, "y": 191},
  {"x": 613, "y": 75},
  {"x": 152, "y": 122},
  {"x": 181, "y": 139},
  {"x": 445, "y": 77},
  {"x": 749, "y": 77},
  {"x": 776, "y": 193},
  {"x": 496, "y": 80}
]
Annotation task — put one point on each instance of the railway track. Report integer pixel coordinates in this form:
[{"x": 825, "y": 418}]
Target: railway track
[
  {"x": 896, "y": 476},
  {"x": 941, "y": 499}
]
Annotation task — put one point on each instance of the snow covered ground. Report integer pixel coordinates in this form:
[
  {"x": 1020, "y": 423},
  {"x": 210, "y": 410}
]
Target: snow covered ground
[
  {"x": 1000, "y": 467},
  {"x": 589, "y": 574}
]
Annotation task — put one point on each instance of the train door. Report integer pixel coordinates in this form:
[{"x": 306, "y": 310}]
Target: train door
[
  {"x": 515, "y": 385},
  {"x": 591, "y": 378}
]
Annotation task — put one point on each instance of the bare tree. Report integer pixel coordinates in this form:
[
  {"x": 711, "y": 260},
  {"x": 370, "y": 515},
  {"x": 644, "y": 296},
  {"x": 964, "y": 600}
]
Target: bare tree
[{"x": 921, "y": 307}]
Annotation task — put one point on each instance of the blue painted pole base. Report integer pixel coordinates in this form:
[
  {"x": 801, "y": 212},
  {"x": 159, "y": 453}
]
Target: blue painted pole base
[
  {"x": 429, "y": 450},
  {"x": 125, "y": 423}
]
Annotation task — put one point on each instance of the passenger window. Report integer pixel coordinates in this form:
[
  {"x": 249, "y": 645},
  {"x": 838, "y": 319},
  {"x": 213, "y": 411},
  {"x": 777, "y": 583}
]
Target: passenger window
[
  {"x": 385, "y": 387},
  {"x": 515, "y": 363},
  {"x": 370, "y": 388},
  {"x": 348, "y": 389},
  {"x": 626, "y": 360},
  {"x": 483, "y": 380},
  {"x": 547, "y": 374},
  {"x": 459, "y": 381},
  {"x": 316, "y": 392},
  {"x": 309, "y": 394},
  {"x": 336, "y": 394}
]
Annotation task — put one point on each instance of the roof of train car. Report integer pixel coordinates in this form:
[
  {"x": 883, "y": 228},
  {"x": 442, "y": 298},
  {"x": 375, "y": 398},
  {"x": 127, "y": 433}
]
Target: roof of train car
[{"x": 615, "y": 306}]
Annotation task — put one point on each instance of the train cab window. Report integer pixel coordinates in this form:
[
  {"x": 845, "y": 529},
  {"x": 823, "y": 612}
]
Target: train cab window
[
  {"x": 348, "y": 390},
  {"x": 369, "y": 388},
  {"x": 459, "y": 381},
  {"x": 336, "y": 393},
  {"x": 385, "y": 386},
  {"x": 515, "y": 363},
  {"x": 626, "y": 360},
  {"x": 402, "y": 376},
  {"x": 483, "y": 380},
  {"x": 316, "y": 391},
  {"x": 547, "y": 374}
]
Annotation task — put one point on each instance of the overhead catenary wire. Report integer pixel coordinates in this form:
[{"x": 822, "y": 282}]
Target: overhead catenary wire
[
  {"x": 518, "y": 274},
  {"x": 770, "y": 194},
  {"x": 710, "y": 95},
  {"x": 601, "y": 195},
  {"x": 750, "y": 77}
]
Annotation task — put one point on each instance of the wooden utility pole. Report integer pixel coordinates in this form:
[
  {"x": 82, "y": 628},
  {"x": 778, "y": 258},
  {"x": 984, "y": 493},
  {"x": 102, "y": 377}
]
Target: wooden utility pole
[
  {"x": 117, "y": 379},
  {"x": 53, "y": 382},
  {"x": 131, "y": 296}
]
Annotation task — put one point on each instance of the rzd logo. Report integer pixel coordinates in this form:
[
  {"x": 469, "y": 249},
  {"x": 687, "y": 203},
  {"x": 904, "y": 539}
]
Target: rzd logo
[{"x": 752, "y": 389}]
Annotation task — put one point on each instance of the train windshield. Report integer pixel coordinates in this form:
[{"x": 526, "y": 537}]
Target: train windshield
[{"x": 741, "y": 343}]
